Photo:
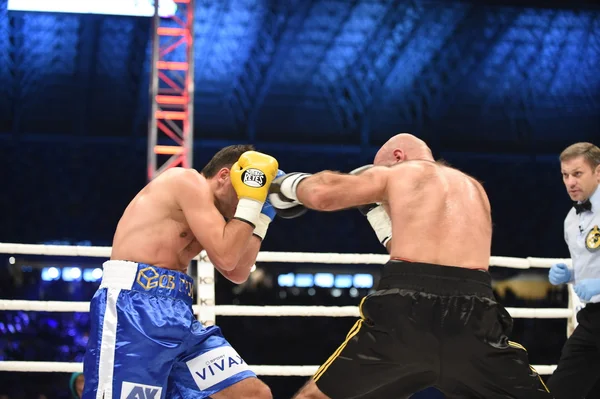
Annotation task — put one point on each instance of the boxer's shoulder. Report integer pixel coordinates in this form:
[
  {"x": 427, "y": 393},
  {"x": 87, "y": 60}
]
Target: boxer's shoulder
[
  {"x": 413, "y": 170},
  {"x": 184, "y": 185},
  {"x": 184, "y": 178}
]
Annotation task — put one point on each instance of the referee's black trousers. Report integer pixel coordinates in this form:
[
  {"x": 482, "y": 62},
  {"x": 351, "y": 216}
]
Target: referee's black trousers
[{"x": 579, "y": 365}]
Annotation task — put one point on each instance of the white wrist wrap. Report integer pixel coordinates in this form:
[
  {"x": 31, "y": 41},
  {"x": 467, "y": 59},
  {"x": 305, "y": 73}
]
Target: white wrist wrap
[
  {"x": 381, "y": 223},
  {"x": 290, "y": 185},
  {"x": 262, "y": 225},
  {"x": 248, "y": 210}
]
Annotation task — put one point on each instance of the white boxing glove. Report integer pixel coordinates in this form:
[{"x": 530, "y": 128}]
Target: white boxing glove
[{"x": 376, "y": 215}]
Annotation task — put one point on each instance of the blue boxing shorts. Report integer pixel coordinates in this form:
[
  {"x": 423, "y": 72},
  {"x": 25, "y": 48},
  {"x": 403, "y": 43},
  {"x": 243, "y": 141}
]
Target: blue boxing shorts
[{"x": 146, "y": 343}]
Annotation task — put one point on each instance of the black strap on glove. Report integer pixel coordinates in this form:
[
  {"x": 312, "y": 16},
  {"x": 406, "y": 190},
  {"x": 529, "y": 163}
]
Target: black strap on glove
[{"x": 283, "y": 197}]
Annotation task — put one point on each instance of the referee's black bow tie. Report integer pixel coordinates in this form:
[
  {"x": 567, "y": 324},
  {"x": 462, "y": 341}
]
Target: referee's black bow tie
[{"x": 584, "y": 206}]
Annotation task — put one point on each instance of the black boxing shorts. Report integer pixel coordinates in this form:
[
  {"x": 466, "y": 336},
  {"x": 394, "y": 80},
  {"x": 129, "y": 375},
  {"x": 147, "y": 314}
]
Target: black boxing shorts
[{"x": 430, "y": 325}]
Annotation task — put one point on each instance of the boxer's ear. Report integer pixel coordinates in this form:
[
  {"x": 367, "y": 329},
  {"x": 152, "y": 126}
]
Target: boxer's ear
[
  {"x": 399, "y": 155},
  {"x": 223, "y": 175}
]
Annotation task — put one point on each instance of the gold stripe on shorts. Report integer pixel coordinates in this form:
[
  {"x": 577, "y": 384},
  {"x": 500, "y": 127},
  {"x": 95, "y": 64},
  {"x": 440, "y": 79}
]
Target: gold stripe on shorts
[
  {"x": 353, "y": 331},
  {"x": 519, "y": 346}
]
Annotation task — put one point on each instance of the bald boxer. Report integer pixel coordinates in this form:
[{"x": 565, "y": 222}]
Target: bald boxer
[
  {"x": 145, "y": 342},
  {"x": 433, "y": 320}
]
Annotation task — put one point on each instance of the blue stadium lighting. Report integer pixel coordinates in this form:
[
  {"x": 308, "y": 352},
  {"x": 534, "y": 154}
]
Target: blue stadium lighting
[
  {"x": 363, "y": 281},
  {"x": 304, "y": 280},
  {"x": 50, "y": 274},
  {"x": 92, "y": 275},
  {"x": 286, "y": 280},
  {"x": 343, "y": 281},
  {"x": 97, "y": 273},
  {"x": 324, "y": 280},
  {"x": 71, "y": 274}
]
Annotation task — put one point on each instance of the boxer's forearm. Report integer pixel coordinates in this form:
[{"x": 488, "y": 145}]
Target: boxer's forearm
[
  {"x": 324, "y": 191},
  {"x": 226, "y": 249},
  {"x": 242, "y": 270},
  {"x": 332, "y": 191}
]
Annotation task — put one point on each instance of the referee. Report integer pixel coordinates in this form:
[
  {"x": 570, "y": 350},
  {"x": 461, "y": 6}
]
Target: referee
[{"x": 579, "y": 365}]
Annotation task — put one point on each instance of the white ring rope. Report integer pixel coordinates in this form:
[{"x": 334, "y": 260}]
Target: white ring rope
[
  {"x": 302, "y": 371},
  {"x": 267, "y": 311},
  {"x": 258, "y": 311},
  {"x": 288, "y": 257}
]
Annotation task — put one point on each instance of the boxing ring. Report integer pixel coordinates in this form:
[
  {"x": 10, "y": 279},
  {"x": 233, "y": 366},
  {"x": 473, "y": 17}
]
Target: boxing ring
[{"x": 206, "y": 309}]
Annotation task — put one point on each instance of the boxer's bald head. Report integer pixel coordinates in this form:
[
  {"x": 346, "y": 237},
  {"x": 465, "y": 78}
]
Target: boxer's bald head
[{"x": 402, "y": 147}]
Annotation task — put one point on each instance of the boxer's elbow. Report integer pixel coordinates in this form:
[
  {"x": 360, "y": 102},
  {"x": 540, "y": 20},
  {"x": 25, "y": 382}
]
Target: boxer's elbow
[
  {"x": 226, "y": 261},
  {"x": 236, "y": 276},
  {"x": 239, "y": 279}
]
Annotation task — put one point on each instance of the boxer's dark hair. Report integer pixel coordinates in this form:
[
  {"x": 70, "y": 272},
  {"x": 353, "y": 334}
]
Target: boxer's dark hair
[
  {"x": 225, "y": 158},
  {"x": 588, "y": 151}
]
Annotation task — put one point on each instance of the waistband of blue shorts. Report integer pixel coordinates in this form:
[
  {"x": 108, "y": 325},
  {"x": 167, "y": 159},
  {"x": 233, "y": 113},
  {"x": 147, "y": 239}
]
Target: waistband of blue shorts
[{"x": 153, "y": 280}]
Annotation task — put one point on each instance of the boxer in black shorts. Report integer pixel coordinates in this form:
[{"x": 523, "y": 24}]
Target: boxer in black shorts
[
  {"x": 430, "y": 325},
  {"x": 433, "y": 320}
]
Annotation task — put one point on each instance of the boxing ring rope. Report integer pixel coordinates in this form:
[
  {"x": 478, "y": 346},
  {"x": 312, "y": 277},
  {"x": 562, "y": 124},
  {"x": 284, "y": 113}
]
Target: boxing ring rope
[{"x": 207, "y": 310}]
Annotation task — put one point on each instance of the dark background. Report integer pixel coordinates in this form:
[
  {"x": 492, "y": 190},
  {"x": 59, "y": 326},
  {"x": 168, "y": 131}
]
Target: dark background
[{"x": 497, "y": 88}]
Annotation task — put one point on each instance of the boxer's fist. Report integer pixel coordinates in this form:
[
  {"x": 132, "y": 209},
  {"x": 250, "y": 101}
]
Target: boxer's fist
[
  {"x": 559, "y": 274},
  {"x": 282, "y": 195},
  {"x": 251, "y": 177},
  {"x": 252, "y": 174}
]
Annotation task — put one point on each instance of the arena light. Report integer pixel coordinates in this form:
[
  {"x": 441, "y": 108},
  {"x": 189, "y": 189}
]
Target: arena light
[
  {"x": 363, "y": 281},
  {"x": 50, "y": 274},
  {"x": 135, "y": 8},
  {"x": 343, "y": 281},
  {"x": 71, "y": 274},
  {"x": 92, "y": 275},
  {"x": 324, "y": 280},
  {"x": 286, "y": 280},
  {"x": 304, "y": 280}
]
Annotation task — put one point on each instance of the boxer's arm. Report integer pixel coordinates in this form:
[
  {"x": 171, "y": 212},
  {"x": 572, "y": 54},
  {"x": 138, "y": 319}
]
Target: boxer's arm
[
  {"x": 332, "y": 191},
  {"x": 224, "y": 242},
  {"x": 242, "y": 269}
]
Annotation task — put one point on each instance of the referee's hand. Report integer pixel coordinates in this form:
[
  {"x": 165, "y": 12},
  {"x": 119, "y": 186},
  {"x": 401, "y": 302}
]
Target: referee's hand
[
  {"x": 559, "y": 274},
  {"x": 587, "y": 288}
]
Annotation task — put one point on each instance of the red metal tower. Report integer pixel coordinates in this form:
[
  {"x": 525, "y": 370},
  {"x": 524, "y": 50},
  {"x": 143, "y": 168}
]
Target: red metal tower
[{"x": 170, "y": 134}]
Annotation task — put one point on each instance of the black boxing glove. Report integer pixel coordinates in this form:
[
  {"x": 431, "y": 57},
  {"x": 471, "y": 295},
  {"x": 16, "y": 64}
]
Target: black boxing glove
[
  {"x": 376, "y": 215},
  {"x": 283, "y": 197}
]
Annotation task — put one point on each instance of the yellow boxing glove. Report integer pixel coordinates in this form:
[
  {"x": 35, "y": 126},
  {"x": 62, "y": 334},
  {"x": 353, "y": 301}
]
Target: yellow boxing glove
[{"x": 251, "y": 177}]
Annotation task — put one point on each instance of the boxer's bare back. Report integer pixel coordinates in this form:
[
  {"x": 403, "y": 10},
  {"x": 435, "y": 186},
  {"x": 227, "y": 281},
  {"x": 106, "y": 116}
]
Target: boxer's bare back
[
  {"x": 439, "y": 214},
  {"x": 153, "y": 229}
]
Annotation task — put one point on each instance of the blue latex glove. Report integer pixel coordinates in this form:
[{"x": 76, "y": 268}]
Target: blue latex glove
[
  {"x": 586, "y": 289},
  {"x": 559, "y": 274},
  {"x": 267, "y": 208}
]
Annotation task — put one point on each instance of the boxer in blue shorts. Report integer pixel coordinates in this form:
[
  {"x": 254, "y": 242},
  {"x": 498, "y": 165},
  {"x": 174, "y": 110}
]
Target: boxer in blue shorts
[{"x": 145, "y": 342}]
